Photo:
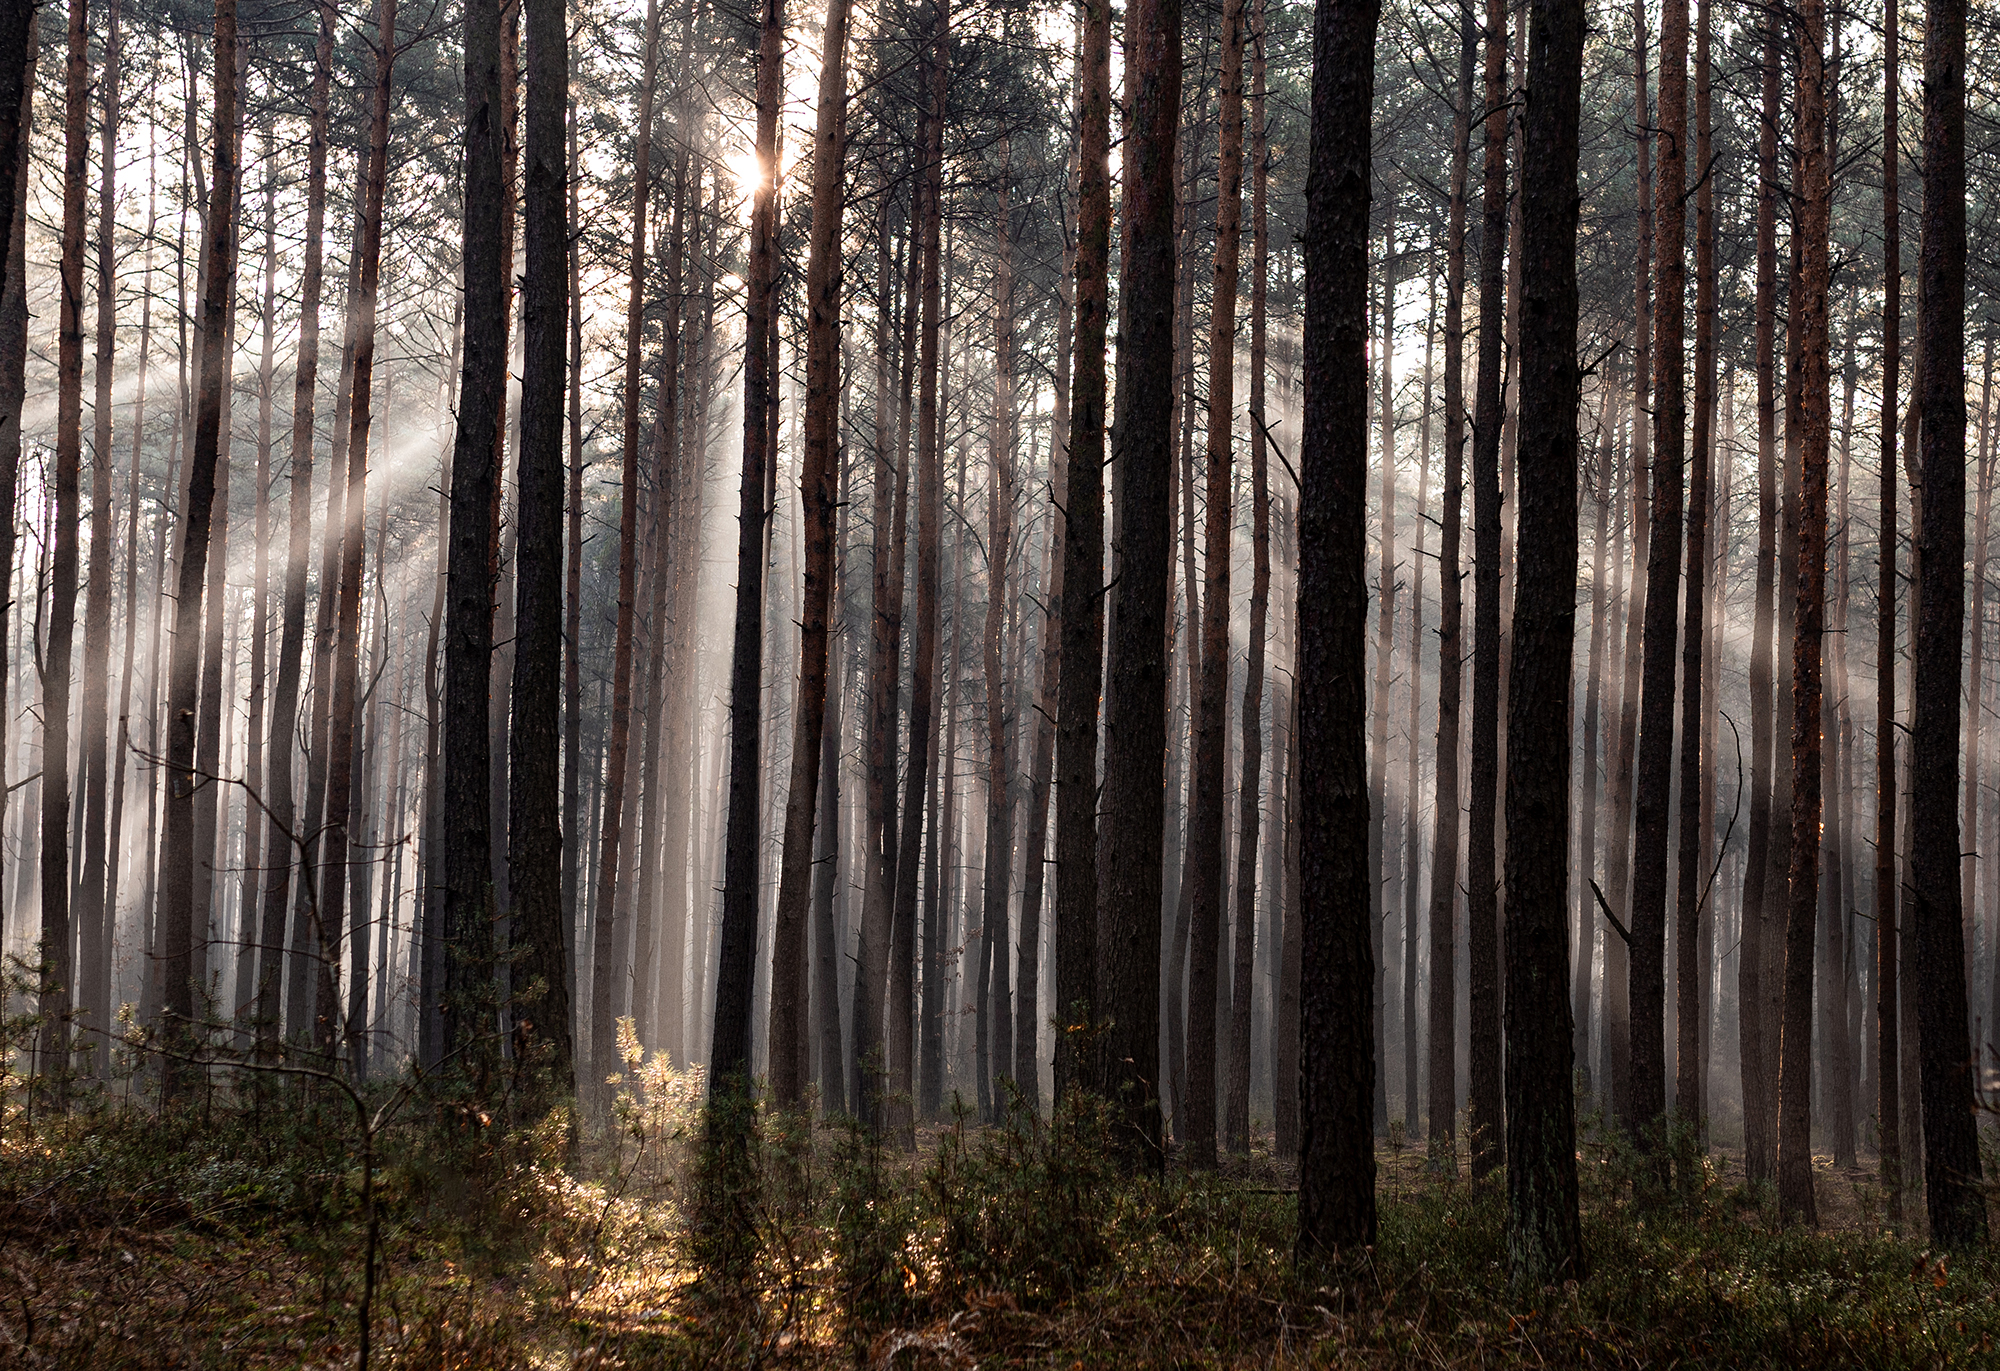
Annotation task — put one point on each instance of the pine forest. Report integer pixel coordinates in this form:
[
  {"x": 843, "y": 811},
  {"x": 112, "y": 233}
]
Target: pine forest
[{"x": 947, "y": 683}]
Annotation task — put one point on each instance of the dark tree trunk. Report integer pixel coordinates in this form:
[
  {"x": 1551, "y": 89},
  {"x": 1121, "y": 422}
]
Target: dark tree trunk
[
  {"x": 790, "y": 1043},
  {"x": 284, "y": 846},
  {"x": 1482, "y": 876},
  {"x": 467, "y": 1001},
  {"x": 1208, "y": 819},
  {"x": 178, "y": 914},
  {"x": 729, "y": 1053},
  {"x": 1813, "y": 417},
  {"x": 57, "y": 948},
  {"x": 1951, "y": 1142},
  {"x": 1544, "y": 1234},
  {"x": 17, "y": 88},
  {"x": 1337, "y": 1058},
  {"x": 535, "y": 856},
  {"x": 1077, "y": 1004},
  {"x": 1443, "y": 1007},
  {"x": 1128, "y": 936}
]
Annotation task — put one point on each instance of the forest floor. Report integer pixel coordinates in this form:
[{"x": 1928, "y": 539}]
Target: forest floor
[{"x": 237, "y": 1237}]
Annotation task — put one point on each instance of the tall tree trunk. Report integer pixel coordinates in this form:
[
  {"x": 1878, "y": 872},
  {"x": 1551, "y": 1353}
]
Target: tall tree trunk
[
  {"x": 340, "y": 839},
  {"x": 1697, "y": 765},
  {"x": 729, "y": 1053},
  {"x": 790, "y": 1042},
  {"x": 603, "y": 1053},
  {"x": 284, "y": 846},
  {"x": 1077, "y": 1003},
  {"x": 17, "y": 89},
  {"x": 1642, "y": 1107},
  {"x": 1544, "y": 1234},
  {"x": 999, "y": 564},
  {"x": 535, "y": 835},
  {"x": 1208, "y": 820},
  {"x": 1412, "y": 853},
  {"x": 1337, "y": 1060},
  {"x": 1814, "y": 418},
  {"x": 467, "y": 1000},
  {"x": 1951, "y": 1148},
  {"x": 1381, "y": 874},
  {"x": 93, "y": 908},
  {"x": 1443, "y": 1007},
  {"x": 1129, "y": 877},
  {"x": 1757, "y": 1051},
  {"x": 178, "y": 913},
  {"x": 1482, "y": 877},
  {"x": 1250, "y": 804},
  {"x": 58, "y": 971}
]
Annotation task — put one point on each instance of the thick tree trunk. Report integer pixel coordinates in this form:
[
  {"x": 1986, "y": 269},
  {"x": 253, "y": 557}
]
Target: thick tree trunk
[
  {"x": 1077, "y": 1005},
  {"x": 1544, "y": 1234},
  {"x": 542, "y": 969},
  {"x": 1951, "y": 1147},
  {"x": 1128, "y": 940},
  {"x": 1337, "y": 1060},
  {"x": 467, "y": 1000}
]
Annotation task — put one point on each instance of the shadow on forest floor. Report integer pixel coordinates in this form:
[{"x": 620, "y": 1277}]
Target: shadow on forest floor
[{"x": 228, "y": 1238}]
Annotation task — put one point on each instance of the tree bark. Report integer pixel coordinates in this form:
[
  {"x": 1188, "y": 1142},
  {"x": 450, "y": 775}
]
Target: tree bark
[
  {"x": 1482, "y": 876},
  {"x": 1208, "y": 820},
  {"x": 1077, "y": 1004},
  {"x": 1951, "y": 1148},
  {"x": 535, "y": 854},
  {"x": 1544, "y": 1234},
  {"x": 1443, "y": 1006},
  {"x": 1128, "y": 935},
  {"x": 790, "y": 1043},
  {"x": 1337, "y": 1060}
]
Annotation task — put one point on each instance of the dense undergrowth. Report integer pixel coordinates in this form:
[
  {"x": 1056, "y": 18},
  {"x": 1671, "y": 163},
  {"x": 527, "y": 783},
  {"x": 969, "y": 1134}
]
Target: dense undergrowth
[{"x": 232, "y": 1234}]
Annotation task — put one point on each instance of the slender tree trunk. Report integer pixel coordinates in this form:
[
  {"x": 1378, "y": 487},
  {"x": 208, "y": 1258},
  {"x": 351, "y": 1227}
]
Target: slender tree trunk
[
  {"x": 1381, "y": 881},
  {"x": 1413, "y": 778},
  {"x": 17, "y": 88},
  {"x": 1757, "y": 1052},
  {"x": 1544, "y": 1234},
  {"x": 1482, "y": 877},
  {"x": 1443, "y": 1006},
  {"x": 729, "y": 1054},
  {"x": 94, "y": 910},
  {"x": 177, "y": 881},
  {"x": 58, "y": 974},
  {"x": 283, "y": 849},
  {"x": 1697, "y": 766},
  {"x": 1951, "y": 1148},
  {"x": 1250, "y": 806},
  {"x": 1208, "y": 819},
  {"x": 603, "y": 1054},
  {"x": 1814, "y": 418}
]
